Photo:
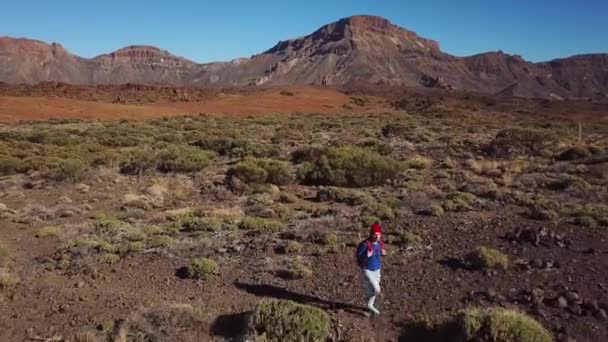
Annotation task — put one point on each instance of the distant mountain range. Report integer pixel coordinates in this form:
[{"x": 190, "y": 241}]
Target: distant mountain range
[{"x": 359, "y": 48}]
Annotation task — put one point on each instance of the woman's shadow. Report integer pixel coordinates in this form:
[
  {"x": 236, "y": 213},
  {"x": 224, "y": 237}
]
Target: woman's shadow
[{"x": 263, "y": 290}]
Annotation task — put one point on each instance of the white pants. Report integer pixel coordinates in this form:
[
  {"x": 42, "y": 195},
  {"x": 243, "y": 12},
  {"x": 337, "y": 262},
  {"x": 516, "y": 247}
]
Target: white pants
[{"x": 371, "y": 285}]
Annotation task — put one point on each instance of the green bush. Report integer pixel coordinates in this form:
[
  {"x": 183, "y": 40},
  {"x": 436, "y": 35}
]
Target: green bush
[
  {"x": 330, "y": 239},
  {"x": 48, "y": 232},
  {"x": 286, "y": 321},
  {"x": 3, "y": 255},
  {"x": 110, "y": 258},
  {"x": 409, "y": 238},
  {"x": 585, "y": 221},
  {"x": 500, "y": 325},
  {"x": 484, "y": 257},
  {"x": 257, "y": 171},
  {"x": 310, "y": 153},
  {"x": 193, "y": 224},
  {"x": 292, "y": 247},
  {"x": 539, "y": 212},
  {"x": 182, "y": 158},
  {"x": 160, "y": 241},
  {"x": 459, "y": 201},
  {"x": 297, "y": 270},
  {"x": 8, "y": 283},
  {"x": 350, "y": 167},
  {"x": 342, "y": 195},
  {"x": 513, "y": 142},
  {"x": 8, "y": 165},
  {"x": 202, "y": 268},
  {"x": 227, "y": 146},
  {"x": 68, "y": 169},
  {"x": 262, "y": 225},
  {"x": 418, "y": 163},
  {"x": 135, "y": 246},
  {"x": 432, "y": 210},
  {"x": 138, "y": 162}
]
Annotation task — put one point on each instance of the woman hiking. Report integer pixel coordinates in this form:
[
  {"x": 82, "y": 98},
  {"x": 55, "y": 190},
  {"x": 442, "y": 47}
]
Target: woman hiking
[{"x": 369, "y": 258}]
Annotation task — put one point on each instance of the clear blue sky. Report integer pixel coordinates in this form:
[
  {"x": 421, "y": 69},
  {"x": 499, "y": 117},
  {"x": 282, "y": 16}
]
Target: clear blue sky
[{"x": 206, "y": 31}]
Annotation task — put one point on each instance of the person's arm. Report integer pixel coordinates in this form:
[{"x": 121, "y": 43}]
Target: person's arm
[
  {"x": 362, "y": 251},
  {"x": 383, "y": 250}
]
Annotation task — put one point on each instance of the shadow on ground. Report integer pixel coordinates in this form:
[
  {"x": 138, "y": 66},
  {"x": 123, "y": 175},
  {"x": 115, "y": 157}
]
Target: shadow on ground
[
  {"x": 262, "y": 290},
  {"x": 231, "y": 326}
]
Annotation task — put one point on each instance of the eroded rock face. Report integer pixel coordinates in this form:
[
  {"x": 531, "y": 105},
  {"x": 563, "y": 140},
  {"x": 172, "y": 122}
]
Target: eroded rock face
[{"x": 354, "y": 49}]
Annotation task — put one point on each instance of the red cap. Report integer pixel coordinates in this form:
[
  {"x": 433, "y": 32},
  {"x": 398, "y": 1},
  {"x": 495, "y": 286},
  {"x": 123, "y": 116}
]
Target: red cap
[{"x": 375, "y": 229}]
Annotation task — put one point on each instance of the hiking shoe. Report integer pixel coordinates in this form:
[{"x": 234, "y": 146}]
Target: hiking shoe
[{"x": 373, "y": 309}]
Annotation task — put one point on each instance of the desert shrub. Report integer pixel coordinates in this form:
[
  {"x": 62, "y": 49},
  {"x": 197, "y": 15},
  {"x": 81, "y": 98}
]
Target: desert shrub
[
  {"x": 294, "y": 247},
  {"x": 8, "y": 165},
  {"x": 87, "y": 336},
  {"x": 160, "y": 241},
  {"x": 367, "y": 220},
  {"x": 138, "y": 161},
  {"x": 409, "y": 238},
  {"x": 297, "y": 270},
  {"x": 520, "y": 141},
  {"x": 380, "y": 210},
  {"x": 585, "y": 221},
  {"x": 183, "y": 158},
  {"x": 105, "y": 158},
  {"x": 432, "y": 210},
  {"x": 68, "y": 169},
  {"x": 330, "y": 239},
  {"x": 288, "y": 198},
  {"x": 578, "y": 152},
  {"x": 309, "y": 153},
  {"x": 193, "y": 224},
  {"x": 135, "y": 246},
  {"x": 350, "y": 166},
  {"x": 167, "y": 322},
  {"x": 134, "y": 234},
  {"x": 541, "y": 213},
  {"x": 409, "y": 132},
  {"x": 3, "y": 255},
  {"x": 48, "y": 232},
  {"x": 342, "y": 195},
  {"x": 227, "y": 146},
  {"x": 500, "y": 325},
  {"x": 484, "y": 257},
  {"x": 35, "y": 163},
  {"x": 110, "y": 258},
  {"x": 566, "y": 182},
  {"x": 418, "y": 162},
  {"x": 105, "y": 246},
  {"x": 259, "y": 171},
  {"x": 286, "y": 321},
  {"x": 202, "y": 268},
  {"x": 459, "y": 201},
  {"x": 262, "y": 225},
  {"x": 8, "y": 283}
]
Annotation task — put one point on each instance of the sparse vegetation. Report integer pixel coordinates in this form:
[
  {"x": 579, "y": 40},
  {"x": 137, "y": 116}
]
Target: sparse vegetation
[
  {"x": 349, "y": 166},
  {"x": 48, "y": 232},
  {"x": 257, "y": 171},
  {"x": 433, "y": 210},
  {"x": 8, "y": 283},
  {"x": 286, "y": 321},
  {"x": 484, "y": 257},
  {"x": 297, "y": 270},
  {"x": 203, "y": 268},
  {"x": 500, "y": 325},
  {"x": 262, "y": 225},
  {"x": 294, "y": 247}
]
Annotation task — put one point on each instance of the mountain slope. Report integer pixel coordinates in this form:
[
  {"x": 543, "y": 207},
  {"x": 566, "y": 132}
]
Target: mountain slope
[{"x": 359, "y": 48}]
